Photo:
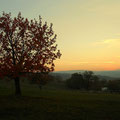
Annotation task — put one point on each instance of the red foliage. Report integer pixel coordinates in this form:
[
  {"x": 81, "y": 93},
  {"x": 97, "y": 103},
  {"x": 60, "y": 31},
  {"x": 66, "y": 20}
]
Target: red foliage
[{"x": 26, "y": 46}]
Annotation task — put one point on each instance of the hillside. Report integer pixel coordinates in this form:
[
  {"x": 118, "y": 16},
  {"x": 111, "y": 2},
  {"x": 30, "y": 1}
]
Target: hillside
[{"x": 108, "y": 75}]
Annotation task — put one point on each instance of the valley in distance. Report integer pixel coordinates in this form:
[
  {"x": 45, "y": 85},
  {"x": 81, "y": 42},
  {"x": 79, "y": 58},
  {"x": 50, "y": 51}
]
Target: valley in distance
[{"x": 108, "y": 75}]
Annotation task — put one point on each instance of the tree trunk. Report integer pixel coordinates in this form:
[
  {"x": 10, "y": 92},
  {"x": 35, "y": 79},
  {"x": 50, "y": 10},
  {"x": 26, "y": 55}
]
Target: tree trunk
[{"x": 17, "y": 86}]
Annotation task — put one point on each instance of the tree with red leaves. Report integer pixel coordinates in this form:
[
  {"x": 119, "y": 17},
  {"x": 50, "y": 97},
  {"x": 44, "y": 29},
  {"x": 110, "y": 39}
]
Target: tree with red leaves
[{"x": 25, "y": 47}]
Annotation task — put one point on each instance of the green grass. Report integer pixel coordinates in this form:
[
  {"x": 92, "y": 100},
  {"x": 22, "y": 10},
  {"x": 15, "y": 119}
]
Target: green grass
[{"x": 57, "y": 104}]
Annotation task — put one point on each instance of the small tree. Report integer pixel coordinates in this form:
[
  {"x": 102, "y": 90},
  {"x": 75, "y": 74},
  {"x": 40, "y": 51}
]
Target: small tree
[
  {"x": 25, "y": 46},
  {"x": 40, "y": 78},
  {"x": 87, "y": 75},
  {"x": 76, "y": 81},
  {"x": 95, "y": 83}
]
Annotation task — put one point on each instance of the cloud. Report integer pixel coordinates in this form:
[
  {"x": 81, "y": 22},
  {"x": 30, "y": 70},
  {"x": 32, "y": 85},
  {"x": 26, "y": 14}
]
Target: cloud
[
  {"x": 109, "y": 62},
  {"x": 92, "y": 63},
  {"x": 108, "y": 42}
]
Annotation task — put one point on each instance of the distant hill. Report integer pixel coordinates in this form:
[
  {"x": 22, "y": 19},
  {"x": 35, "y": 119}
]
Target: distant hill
[
  {"x": 115, "y": 73},
  {"x": 108, "y": 75},
  {"x": 62, "y": 76}
]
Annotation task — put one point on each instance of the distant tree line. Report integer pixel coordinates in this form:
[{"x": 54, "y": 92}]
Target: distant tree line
[
  {"x": 89, "y": 81},
  {"x": 86, "y": 81}
]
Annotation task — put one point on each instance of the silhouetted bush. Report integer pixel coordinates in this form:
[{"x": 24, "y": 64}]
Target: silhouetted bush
[
  {"x": 114, "y": 85},
  {"x": 40, "y": 78}
]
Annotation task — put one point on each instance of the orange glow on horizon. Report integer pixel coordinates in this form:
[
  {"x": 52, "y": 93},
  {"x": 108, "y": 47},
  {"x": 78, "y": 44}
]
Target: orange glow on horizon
[
  {"x": 106, "y": 66},
  {"x": 88, "y": 31}
]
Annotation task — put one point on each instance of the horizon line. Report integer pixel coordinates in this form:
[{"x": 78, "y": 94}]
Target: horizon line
[{"x": 84, "y": 70}]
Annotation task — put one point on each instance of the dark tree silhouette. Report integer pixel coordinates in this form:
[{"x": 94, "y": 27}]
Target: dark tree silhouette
[
  {"x": 76, "y": 81},
  {"x": 84, "y": 81},
  {"x": 87, "y": 75},
  {"x": 40, "y": 78},
  {"x": 114, "y": 85},
  {"x": 25, "y": 46}
]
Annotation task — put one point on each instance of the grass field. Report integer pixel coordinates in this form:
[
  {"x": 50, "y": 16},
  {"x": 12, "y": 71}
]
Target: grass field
[{"x": 57, "y": 104}]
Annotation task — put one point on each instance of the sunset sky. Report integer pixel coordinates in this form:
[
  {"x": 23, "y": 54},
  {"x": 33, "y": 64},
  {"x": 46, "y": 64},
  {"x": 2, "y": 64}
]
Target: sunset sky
[{"x": 88, "y": 31}]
